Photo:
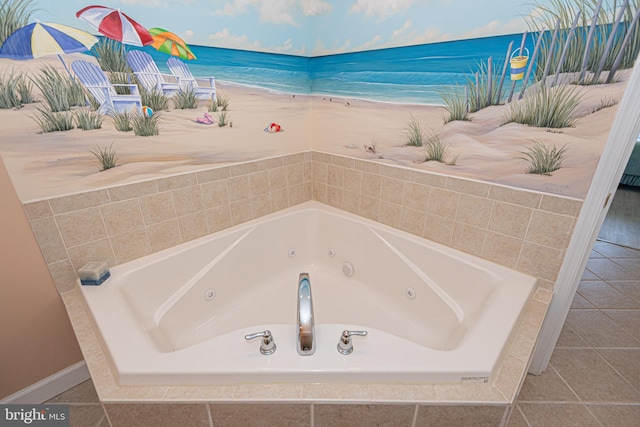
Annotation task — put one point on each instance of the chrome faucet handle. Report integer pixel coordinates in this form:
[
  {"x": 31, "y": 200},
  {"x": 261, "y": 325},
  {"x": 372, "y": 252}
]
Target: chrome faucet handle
[
  {"x": 268, "y": 345},
  {"x": 345, "y": 345}
]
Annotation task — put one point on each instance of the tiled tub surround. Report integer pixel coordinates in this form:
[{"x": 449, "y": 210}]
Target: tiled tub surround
[
  {"x": 122, "y": 223},
  {"x": 520, "y": 229}
]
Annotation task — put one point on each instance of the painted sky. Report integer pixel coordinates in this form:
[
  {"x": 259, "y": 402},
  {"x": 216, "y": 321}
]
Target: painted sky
[{"x": 311, "y": 27}]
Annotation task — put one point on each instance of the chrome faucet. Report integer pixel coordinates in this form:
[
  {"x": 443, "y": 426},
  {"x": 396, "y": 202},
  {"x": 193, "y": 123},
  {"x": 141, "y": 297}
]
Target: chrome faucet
[{"x": 306, "y": 344}]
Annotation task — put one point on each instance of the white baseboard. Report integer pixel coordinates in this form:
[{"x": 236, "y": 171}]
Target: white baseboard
[{"x": 51, "y": 386}]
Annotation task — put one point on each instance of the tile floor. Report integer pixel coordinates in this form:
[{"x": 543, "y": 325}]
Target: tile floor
[{"x": 593, "y": 378}]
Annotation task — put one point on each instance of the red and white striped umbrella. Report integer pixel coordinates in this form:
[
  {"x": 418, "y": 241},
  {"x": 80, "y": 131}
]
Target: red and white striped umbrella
[{"x": 115, "y": 25}]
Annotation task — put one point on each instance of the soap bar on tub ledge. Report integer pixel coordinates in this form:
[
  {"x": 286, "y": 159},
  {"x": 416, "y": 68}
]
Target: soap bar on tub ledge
[{"x": 93, "y": 273}]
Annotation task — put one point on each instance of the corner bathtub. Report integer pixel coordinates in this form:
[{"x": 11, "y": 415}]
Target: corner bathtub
[{"x": 433, "y": 314}]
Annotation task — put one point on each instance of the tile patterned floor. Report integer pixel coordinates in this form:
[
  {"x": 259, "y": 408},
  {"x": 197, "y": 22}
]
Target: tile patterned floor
[{"x": 593, "y": 378}]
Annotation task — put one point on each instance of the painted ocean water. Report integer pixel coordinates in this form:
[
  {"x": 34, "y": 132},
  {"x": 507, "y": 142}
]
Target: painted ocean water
[{"x": 413, "y": 74}]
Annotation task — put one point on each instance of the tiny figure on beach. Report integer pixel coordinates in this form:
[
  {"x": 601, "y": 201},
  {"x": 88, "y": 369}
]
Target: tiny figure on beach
[
  {"x": 206, "y": 120},
  {"x": 273, "y": 128}
]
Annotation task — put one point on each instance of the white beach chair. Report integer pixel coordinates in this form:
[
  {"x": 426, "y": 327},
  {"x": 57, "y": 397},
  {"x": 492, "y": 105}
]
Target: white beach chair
[
  {"x": 98, "y": 85},
  {"x": 187, "y": 81},
  {"x": 147, "y": 72}
]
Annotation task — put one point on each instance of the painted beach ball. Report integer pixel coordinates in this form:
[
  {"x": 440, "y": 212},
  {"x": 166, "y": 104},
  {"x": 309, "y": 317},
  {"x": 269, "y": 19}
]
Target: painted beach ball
[{"x": 146, "y": 111}]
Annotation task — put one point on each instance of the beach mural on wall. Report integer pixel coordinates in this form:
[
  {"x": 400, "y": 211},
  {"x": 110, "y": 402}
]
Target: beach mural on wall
[{"x": 508, "y": 92}]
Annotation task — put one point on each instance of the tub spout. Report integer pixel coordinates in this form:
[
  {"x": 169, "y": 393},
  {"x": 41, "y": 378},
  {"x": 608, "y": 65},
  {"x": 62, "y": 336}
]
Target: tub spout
[{"x": 306, "y": 344}]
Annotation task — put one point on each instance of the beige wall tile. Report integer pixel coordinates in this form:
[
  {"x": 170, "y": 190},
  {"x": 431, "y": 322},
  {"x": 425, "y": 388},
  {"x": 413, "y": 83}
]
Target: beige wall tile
[
  {"x": 334, "y": 196},
  {"x": 76, "y": 202},
  {"x": 243, "y": 169},
  {"x": 157, "y": 208},
  {"x": 238, "y": 188},
  {"x": 321, "y": 157},
  {"x": 350, "y": 201},
  {"x": 412, "y": 220},
  {"x": 509, "y": 219},
  {"x": 214, "y": 194},
  {"x": 515, "y": 196},
  {"x": 320, "y": 172},
  {"x": 49, "y": 239},
  {"x": 266, "y": 392},
  {"x": 335, "y": 176},
  {"x": 472, "y": 188},
  {"x": 176, "y": 181},
  {"x": 294, "y": 174},
  {"x": 295, "y": 158},
  {"x": 241, "y": 211},
  {"x": 307, "y": 171},
  {"x": 279, "y": 199},
  {"x": 307, "y": 190},
  {"x": 371, "y": 184},
  {"x": 98, "y": 250},
  {"x": 274, "y": 162},
  {"x": 132, "y": 191},
  {"x": 188, "y": 200},
  {"x": 157, "y": 415},
  {"x": 468, "y": 238},
  {"x": 193, "y": 226},
  {"x": 396, "y": 172},
  {"x": 83, "y": 226},
  {"x": 211, "y": 175},
  {"x": 130, "y": 245},
  {"x": 560, "y": 205},
  {"x": 295, "y": 194},
  {"x": 277, "y": 178},
  {"x": 323, "y": 392},
  {"x": 284, "y": 415},
  {"x": 392, "y": 190},
  {"x": 540, "y": 261},
  {"x": 550, "y": 229},
  {"x": 474, "y": 211},
  {"x": 366, "y": 166},
  {"x": 63, "y": 274},
  {"x": 218, "y": 218},
  {"x": 163, "y": 235},
  {"x": 352, "y": 180},
  {"x": 320, "y": 192},
  {"x": 432, "y": 180},
  {"x": 344, "y": 162},
  {"x": 259, "y": 183},
  {"x": 401, "y": 392},
  {"x": 443, "y": 203},
  {"x": 122, "y": 216},
  {"x": 501, "y": 249},
  {"x": 390, "y": 213},
  {"x": 438, "y": 229},
  {"x": 369, "y": 207},
  {"x": 261, "y": 205},
  {"x": 37, "y": 210},
  {"x": 416, "y": 196}
]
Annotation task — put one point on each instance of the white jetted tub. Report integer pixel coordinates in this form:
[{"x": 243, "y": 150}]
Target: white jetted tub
[{"x": 433, "y": 314}]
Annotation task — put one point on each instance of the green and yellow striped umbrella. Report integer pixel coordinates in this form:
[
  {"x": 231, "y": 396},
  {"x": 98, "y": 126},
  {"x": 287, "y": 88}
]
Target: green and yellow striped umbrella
[{"x": 169, "y": 43}]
